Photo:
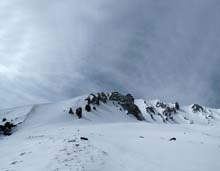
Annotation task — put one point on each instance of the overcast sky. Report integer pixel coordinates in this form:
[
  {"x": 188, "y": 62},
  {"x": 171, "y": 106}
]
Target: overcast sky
[{"x": 154, "y": 49}]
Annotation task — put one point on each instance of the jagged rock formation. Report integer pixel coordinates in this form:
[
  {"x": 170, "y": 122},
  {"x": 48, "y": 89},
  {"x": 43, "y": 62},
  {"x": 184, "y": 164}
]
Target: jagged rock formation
[
  {"x": 114, "y": 107},
  {"x": 197, "y": 108},
  {"x": 164, "y": 110},
  {"x": 127, "y": 102}
]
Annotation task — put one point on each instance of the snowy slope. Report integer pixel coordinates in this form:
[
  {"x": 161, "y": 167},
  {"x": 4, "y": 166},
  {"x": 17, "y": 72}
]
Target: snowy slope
[
  {"x": 184, "y": 115},
  {"x": 16, "y": 115},
  {"x": 49, "y": 139}
]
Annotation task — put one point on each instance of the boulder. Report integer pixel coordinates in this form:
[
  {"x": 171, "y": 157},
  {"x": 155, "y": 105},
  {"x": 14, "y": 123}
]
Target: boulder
[
  {"x": 71, "y": 111},
  {"x": 173, "y": 139},
  {"x": 84, "y": 138},
  {"x": 88, "y": 108},
  {"x": 79, "y": 112},
  {"x": 6, "y": 129}
]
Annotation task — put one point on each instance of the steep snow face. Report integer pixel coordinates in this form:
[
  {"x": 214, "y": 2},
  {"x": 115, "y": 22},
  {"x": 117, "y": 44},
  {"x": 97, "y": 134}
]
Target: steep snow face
[{"x": 49, "y": 139}]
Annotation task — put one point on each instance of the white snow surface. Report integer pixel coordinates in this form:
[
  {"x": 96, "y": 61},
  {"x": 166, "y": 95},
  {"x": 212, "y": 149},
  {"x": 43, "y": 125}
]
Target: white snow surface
[{"x": 48, "y": 139}]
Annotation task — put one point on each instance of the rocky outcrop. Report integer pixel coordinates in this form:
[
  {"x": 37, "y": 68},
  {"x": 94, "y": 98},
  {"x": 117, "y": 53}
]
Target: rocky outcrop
[
  {"x": 127, "y": 103},
  {"x": 177, "y": 106},
  {"x": 151, "y": 110},
  {"x": 197, "y": 108},
  {"x": 164, "y": 110},
  {"x": 169, "y": 111},
  {"x": 103, "y": 97},
  {"x": 95, "y": 100},
  {"x": 7, "y": 128},
  {"x": 161, "y": 105},
  {"x": 79, "y": 112}
]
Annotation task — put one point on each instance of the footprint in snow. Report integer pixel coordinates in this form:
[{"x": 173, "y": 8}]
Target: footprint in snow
[
  {"x": 79, "y": 155},
  {"x": 22, "y": 154},
  {"x": 16, "y": 162}
]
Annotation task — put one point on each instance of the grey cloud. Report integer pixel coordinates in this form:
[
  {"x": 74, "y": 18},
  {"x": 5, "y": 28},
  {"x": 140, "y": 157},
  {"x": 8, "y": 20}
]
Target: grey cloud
[{"x": 154, "y": 49}]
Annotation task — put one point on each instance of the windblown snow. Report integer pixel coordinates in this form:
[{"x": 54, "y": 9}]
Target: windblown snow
[{"x": 48, "y": 138}]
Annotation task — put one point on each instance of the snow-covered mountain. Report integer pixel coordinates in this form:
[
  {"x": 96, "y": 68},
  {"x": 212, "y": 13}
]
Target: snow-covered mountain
[{"x": 112, "y": 132}]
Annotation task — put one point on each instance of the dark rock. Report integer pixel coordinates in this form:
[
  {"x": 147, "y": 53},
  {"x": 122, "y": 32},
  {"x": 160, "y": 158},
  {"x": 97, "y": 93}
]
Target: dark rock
[
  {"x": 177, "y": 106},
  {"x": 88, "y": 100},
  {"x": 4, "y": 119},
  {"x": 8, "y": 125},
  {"x": 71, "y": 111},
  {"x": 94, "y": 108},
  {"x": 84, "y": 138},
  {"x": 169, "y": 111},
  {"x": 116, "y": 96},
  {"x": 133, "y": 109},
  {"x": 6, "y": 129},
  {"x": 197, "y": 108},
  {"x": 88, "y": 108},
  {"x": 95, "y": 99},
  {"x": 13, "y": 163},
  {"x": 150, "y": 110},
  {"x": 79, "y": 112},
  {"x": 152, "y": 117},
  {"x": 173, "y": 139},
  {"x": 161, "y": 105},
  {"x": 127, "y": 102},
  {"x": 130, "y": 98},
  {"x": 70, "y": 141},
  {"x": 103, "y": 97}
]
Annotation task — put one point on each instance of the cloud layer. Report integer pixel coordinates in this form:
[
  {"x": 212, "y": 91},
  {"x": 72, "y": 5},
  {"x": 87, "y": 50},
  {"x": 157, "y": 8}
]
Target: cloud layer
[{"x": 50, "y": 51}]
